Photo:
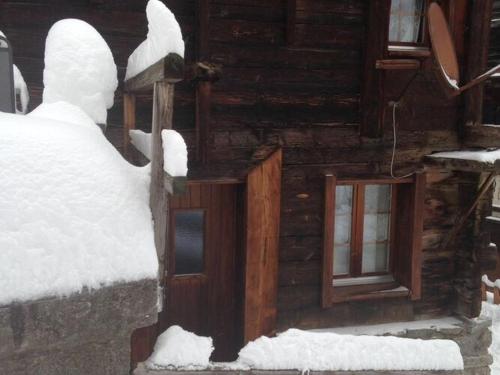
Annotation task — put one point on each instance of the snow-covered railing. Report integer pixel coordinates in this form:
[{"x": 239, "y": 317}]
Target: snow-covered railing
[{"x": 489, "y": 286}]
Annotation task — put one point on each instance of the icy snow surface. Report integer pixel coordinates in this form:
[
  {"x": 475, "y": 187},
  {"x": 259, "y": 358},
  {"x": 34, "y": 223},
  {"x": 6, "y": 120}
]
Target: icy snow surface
[
  {"x": 20, "y": 87},
  {"x": 178, "y": 348},
  {"x": 174, "y": 153},
  {"x": 141, "y": 141},
  {"x": 303, "y": 350},
  {"x": 483, "y": 156},
  {"x": 79, "y": 68},
  {"x": 73, "y": 212},
  {"x": 395, "y": 328},
  {"x": 164, "y": 37}
]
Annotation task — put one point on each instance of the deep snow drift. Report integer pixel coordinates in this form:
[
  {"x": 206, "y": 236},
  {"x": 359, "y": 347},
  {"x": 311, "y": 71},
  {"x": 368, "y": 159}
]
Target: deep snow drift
[
  {"x": 79, "y": 68},
  {"x": 164, "y": 37},
  {"x": 73, "y": 212}
]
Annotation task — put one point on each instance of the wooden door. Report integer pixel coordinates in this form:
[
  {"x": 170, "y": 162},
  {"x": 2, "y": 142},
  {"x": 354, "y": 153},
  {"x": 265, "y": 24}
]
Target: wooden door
[{"x": 201, "y": 284}]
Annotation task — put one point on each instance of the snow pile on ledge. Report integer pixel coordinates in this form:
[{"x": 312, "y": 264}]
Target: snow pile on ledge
[
  {"x": 178, "y": 348},
  {"x": 302, "y": 350},
  {"x": 174, "y": 153},
  {"x": 73, "y": 212},
  {"x": 20, "y": 87},
  {"x": 79, "y": 68},
  {"x": 164, "y": 37},
  {"x": 483, "y": 156}
]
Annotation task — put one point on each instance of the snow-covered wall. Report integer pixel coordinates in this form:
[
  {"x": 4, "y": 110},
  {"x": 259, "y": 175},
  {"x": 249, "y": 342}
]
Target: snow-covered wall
[{"x": 73, "y": 212}]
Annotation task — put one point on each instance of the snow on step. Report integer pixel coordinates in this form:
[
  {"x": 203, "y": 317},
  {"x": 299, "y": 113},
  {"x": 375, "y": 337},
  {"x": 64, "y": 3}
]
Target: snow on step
[
  {"x": 79, "y": 68},
  {"x": 141, "y": 141},
  {"x": 181, "y": 349},
  {"x": 303, "y": 350},
  {"x": 73, "y": 212},
  {"x": 164, "y": 37}
]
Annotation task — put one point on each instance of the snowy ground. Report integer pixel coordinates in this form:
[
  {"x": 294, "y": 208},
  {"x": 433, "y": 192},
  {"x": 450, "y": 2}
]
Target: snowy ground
[{"x": 491, "y": 311}]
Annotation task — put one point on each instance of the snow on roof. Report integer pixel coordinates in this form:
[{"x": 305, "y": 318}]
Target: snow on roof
[
  {"x": 302, "y": 350},
  {"x": 79, "y": 68},
  {"x": 483, "y": 156},
  {"x": 73, "y": 212},
  {"x": 20, "y": 86},
  {"x": 164, "y": 37}
]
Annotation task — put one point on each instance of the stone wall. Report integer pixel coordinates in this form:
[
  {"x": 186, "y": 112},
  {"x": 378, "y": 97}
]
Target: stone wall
[
  {"x": 86, "y": 333},
  {"x": 472, "y": 335}
]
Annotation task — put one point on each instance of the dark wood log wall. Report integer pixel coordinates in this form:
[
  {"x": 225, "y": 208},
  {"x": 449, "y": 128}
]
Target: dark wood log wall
[
  {"x": 292, "y": 75},
  {"x": 491, "y": 107}
]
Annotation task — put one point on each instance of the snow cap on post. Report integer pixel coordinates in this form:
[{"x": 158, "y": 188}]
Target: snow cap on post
[
  {"x": 164, "y": 37},
  {"x": 174, "y": 153},
  {"x": 79, "y": 68}
]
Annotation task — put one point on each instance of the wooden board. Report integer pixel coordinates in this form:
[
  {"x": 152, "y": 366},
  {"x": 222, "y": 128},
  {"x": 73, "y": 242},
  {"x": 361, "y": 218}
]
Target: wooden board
[{"x": 263, "y": 202}]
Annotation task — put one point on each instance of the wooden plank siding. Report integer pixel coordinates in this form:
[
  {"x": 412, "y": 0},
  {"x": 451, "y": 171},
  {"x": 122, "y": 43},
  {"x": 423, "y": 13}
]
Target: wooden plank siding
[{"x": 297, "y": 85}]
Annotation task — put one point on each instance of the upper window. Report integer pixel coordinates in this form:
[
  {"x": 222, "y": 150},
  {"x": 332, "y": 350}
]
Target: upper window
[
  {"x": 372, "y": 238},
  {"x": 406, "y": 24}
]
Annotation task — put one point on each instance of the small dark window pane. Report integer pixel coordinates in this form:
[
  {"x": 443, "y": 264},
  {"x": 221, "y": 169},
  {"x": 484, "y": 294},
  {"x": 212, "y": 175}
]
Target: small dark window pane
[{"x": 189, "y": 230}]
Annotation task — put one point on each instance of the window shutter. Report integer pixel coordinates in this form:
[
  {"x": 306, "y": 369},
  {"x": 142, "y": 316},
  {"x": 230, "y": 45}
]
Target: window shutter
[
  {"x": 329, "y": 224},
  {"x": 408, "y": 235}
]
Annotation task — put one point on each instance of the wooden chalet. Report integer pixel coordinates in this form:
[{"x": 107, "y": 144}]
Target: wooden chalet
[{"x": 309, "y": 201}]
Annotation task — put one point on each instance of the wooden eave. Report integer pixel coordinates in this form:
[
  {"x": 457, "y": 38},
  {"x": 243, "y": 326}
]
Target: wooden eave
[
  {"x": 456, "y": 164},
  {"x": 228, "y": 173}
]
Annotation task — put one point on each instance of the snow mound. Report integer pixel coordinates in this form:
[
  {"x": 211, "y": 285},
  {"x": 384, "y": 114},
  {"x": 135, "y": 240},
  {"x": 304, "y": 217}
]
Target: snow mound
[
  {"x": 174, "y": 153},
  {"x": 65, "y": 112},
  {"x": 491, "y": 311},
  {"x": 302, "y": 350},
  {"x": 164, "y": 37},
  {"x": 181, "y": 349},
  {"x": 141, "y": 141},
  {"x": 79, "y": 68},
  {"x": 73, "y": 212},
  {"x": 20, "y": 87}
]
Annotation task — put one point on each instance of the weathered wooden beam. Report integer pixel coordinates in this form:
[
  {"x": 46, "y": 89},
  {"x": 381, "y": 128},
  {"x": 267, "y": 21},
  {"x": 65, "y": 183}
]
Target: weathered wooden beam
[
  {"x": 175, "y": 185},
  {"x": 477, "y": 58},
  {"x": 484, "y": 136},
  {"x": 163, "y": 108},
  {"x": 461, "y": 220},
  {"x": 128, "y": 120},
  {"x": 170, "y": 69},
  {"x": 397, "y": 64}
]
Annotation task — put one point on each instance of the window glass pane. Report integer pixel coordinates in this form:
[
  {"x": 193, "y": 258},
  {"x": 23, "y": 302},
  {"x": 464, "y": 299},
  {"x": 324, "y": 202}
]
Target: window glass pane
[
  {"x": 376, "y": 228},
  {"x": 405, "y": 20},
  {"x": 189, "y": 233},
  {"x": 342, "y": 234}
]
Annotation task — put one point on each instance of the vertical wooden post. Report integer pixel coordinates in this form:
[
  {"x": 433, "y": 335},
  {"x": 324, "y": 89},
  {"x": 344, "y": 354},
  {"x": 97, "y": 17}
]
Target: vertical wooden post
[
  {"x": 496, "y": 295},
  {"x": 477, "y": 58},
  {"x": 163, "y": 109},
  {"x": 128, "y": 120},
  {"x": 203, "y": 88},
  {"x": 483, "y": 291}
]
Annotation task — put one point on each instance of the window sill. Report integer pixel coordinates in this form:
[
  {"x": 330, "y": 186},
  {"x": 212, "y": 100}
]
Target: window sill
[
  {"x": 369, "y": 292},
  {"x": 408, "y": 51}
]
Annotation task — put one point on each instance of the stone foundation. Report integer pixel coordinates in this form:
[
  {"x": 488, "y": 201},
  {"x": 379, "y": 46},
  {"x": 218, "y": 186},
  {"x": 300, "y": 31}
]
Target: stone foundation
[
  {"x": 85, "y": 334},
  {"x": 472, "y": 335}
]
